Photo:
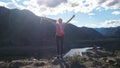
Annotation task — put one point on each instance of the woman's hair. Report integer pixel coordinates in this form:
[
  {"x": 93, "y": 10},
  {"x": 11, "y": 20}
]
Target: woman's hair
[{"x": 59, "y": 20}]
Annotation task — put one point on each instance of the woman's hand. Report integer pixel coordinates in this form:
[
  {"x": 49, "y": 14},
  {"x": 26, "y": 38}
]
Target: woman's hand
[
  {"x": 70, "y": 19},
  {"x": 73, "y": 16}
]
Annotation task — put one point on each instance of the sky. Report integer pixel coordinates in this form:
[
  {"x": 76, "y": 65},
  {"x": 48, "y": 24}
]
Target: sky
[{"x": 88, "y": 13}]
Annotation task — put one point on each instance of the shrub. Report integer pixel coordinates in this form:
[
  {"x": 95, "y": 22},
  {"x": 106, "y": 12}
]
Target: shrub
[{"x": 76, "y": 61}]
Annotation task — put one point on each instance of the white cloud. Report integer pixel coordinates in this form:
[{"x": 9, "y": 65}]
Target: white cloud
[
  {"x": 53, "y": 7},
  {"x": 116, "y": 12},
  {"x": 84, "y": 6},
  {"x": 91, "y": 14},
  {"x": 2, "y": 4},
  {"x": 90, "y": 25},
  {"x": 11, "y": 5},
  {"x": 105, "y": 24},
  {"x": 110, "y": 23}
]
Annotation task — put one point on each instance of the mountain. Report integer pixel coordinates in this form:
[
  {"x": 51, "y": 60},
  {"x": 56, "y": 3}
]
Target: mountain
[
  {"x": 22, "y": 27},
  {"x": 24, "y": 33},
  {"x": 109, "y": 32}
]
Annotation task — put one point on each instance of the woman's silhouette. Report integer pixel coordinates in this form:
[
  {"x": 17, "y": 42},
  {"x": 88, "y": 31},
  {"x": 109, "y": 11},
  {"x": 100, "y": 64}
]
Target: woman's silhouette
[{"x": 60, "y": 25}]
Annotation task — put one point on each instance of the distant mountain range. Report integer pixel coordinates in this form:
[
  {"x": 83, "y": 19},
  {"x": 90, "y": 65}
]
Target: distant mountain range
[
  {"x": 109, "y": 32},
  {"x": 21, "y": 28}
]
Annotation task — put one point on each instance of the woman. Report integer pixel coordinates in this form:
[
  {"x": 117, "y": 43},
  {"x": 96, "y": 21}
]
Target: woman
[{"x": 60, "y": 34}]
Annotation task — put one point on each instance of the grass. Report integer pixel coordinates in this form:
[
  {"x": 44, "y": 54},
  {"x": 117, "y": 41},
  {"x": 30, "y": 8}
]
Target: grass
[{"x": 76, "y": 61}]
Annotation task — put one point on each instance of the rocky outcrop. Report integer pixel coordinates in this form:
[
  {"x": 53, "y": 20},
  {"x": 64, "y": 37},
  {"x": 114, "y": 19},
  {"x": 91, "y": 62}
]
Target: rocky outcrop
[
  {"x": 97, "y": 54},
  {"x": 94, "y": 59}
]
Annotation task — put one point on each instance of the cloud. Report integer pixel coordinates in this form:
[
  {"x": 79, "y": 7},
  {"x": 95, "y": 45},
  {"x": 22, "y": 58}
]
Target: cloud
[
  {"x": 54, "y": 7},
  {"x": 101, "y": 1},
  {"x": 2, "y": 4},
  {"x": 84, "y": 6},
  {"x": 116, "y": 12},
  {"x": 51, "y": 3},
  {"x": 105, "y": 24},
  {"x": 91, "y": 14},
  {"x": 110, "y": 23},
  {"x": 12, "y": 5},
  {"x": 111, "y": 4},
  {"x": 9, "y": 5}
]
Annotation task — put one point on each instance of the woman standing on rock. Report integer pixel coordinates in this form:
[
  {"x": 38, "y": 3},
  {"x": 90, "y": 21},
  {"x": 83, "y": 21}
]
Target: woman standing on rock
[{"x": 60, "y": 25}]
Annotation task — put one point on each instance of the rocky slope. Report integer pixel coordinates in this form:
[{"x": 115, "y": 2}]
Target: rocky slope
[{"x": 90, "y": 59}]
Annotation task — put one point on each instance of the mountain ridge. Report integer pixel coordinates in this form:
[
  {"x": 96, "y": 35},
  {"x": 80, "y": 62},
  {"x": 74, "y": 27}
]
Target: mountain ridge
[
  {"x": 19, "y": 22},
  {"x": 24, "y": 33},
  {"x": 109, "y": 32}
]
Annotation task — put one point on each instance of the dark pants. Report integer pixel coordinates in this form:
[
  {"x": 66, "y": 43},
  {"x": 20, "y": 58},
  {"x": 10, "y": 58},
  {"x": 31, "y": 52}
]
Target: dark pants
[{"x": 59, "y": 42}]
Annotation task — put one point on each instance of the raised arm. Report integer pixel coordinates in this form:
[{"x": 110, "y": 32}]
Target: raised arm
[{"x": 70, "y": 19}]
